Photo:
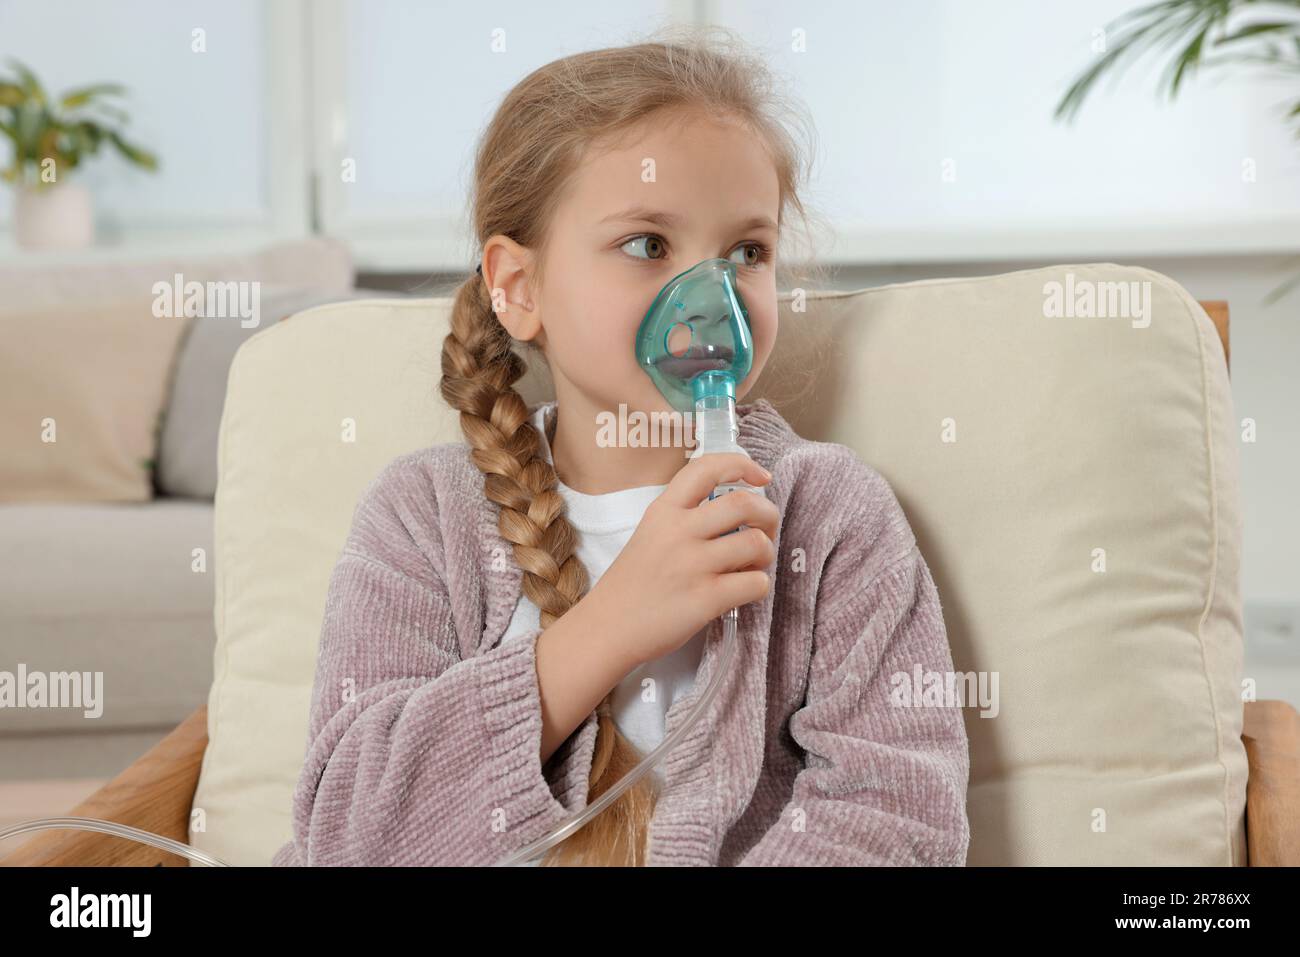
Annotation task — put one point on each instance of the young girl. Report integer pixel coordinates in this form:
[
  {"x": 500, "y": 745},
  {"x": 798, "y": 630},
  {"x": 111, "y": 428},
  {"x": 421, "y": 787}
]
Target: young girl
[{"x": 517, "y": 619}]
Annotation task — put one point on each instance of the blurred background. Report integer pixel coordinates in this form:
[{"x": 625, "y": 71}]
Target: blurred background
[{"x": 324, "y": 149}]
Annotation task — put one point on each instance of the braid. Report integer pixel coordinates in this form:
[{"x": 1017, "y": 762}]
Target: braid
[{"x": 479, "y": 370}]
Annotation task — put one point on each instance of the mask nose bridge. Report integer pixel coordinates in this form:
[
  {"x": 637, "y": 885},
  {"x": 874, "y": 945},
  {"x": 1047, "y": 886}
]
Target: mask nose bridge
[
  {"x": 697, "y": 323},
  {"x": 721, "y": 274}
]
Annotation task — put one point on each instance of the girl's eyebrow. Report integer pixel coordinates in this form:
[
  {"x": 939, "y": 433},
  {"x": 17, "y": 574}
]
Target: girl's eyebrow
[{"x": 644, "y": 214}]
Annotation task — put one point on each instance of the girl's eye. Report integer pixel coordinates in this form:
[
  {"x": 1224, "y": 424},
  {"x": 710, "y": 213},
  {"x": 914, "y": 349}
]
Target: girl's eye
[
  {"x": 755, "y": 253},
  {"x": 653, "y": 245},
  {"x": 760, "y": 253}
]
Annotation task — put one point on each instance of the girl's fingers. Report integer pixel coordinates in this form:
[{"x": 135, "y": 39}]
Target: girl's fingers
[
  {"x": 732, "y": 509},
  {"x": 694, "y": 481},
  {"x": 740, "y": 588},
  {"x": 748, "y": 549}
]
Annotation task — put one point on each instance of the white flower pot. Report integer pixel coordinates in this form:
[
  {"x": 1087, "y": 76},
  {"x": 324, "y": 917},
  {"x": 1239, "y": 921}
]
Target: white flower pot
[{"x": 57, "y": 216}]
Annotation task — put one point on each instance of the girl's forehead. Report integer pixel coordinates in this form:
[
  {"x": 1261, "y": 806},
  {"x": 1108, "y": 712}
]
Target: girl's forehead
[{"x": 680, "y": 172}]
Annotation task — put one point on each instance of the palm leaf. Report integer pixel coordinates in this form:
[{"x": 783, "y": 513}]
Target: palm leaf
[
  {"x": 1190, "y": 26},
  {"x": 1254, "y": 30},
  {"x": 75, "y": 98},
  {"x": 112, "y": 112},
  {"x": 135, "y": 154},
  {"x": 1281, "y": 290},
  {"x": 31, "y": 86}
]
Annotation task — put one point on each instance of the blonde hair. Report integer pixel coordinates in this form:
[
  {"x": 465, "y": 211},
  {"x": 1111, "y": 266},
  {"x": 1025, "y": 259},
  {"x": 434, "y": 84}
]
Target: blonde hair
[{"x": 527, "y": 154}]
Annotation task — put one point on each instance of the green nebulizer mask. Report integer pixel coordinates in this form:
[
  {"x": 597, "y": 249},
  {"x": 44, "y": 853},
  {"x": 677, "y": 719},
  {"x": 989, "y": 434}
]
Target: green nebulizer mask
[
  {"x": 694, "y": 341},
  {"x": 695, "y": 344}
]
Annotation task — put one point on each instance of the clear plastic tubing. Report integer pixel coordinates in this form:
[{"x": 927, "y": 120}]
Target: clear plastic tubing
[
  {"x": 118, "y": 830},
  {"x": 725, "y": 659}
]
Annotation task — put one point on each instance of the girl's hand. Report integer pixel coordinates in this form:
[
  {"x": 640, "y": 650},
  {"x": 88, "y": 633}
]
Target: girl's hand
[{"x": 679, "y": 570}]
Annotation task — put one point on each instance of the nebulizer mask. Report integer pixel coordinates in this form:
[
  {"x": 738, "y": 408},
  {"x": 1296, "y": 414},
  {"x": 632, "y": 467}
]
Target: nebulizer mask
[{"x": 696, "y": 346}]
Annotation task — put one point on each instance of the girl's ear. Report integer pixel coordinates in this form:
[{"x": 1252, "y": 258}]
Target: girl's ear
[
  {"x": 505, "y": 270},
  {"x": 521, "y": 320}
]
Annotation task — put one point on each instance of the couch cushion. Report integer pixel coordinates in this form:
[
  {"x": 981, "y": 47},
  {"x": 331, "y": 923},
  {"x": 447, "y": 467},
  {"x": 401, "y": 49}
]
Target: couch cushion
[
  {"x": 1020, "y": 444},
  {"x": 1118, "y": 737},
  {"x": 187, "y": 445},
  {"x": 83, "y": 390},
  {"x": 112, "y": 588}
]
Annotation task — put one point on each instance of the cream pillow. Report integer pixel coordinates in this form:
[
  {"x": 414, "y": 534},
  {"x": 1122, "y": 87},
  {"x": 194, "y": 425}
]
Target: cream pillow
[
  {"x": 1028, "y": 447},
  {"x": 83, "y": 388},
  {"x": 1024, "y": 448}
]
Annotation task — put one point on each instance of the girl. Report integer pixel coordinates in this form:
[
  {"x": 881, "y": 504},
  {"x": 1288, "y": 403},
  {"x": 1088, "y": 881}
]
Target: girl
[{"x": 517, "y": 619}]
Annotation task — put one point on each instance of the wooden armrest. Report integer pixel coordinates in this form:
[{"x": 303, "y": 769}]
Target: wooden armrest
[
  {"x": 1271, "y": 734},
  {"x": 155, "y": 793},
  {"x": 1217, "y": 310}
]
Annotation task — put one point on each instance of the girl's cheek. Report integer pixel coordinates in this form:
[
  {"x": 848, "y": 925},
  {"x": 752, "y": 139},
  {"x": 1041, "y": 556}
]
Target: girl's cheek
[{"x": 765, "y": 326}]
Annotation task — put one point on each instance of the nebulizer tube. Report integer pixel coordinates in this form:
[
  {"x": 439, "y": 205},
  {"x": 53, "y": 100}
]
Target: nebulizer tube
[
  {"x": 695, "y": 344},
  {"x": 136, "y": 834}
]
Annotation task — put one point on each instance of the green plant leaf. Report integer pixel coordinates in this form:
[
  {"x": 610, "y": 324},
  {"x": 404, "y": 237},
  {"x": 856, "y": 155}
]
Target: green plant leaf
[
  {"x": 83, "y": 121},
  {"x": 31, "y": 85},
  {"x": 89, "y": 134},
  {"x": 1133, "y": 29},
  {"x": 112, "y": 112},
  {"x": 75, "y": 98},
  {"x": 135, "y": 154},
  {"x": 1187, "y": 61},
  {"x": 1256, "y": 29},
  {"x": 1188, "y": 26},
  {"x": 29, "y": 124},
  {"x": 48, "y": 143},
  {"x": 1277, "y": 293}
]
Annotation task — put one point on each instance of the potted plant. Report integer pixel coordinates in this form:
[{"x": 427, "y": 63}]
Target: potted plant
[
  {"x": 50, "y": 140},
  {"x": 1202, "y": 33}
]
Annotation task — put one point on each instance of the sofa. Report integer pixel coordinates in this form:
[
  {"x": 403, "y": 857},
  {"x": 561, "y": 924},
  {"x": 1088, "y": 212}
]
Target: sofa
[
  {"x": 112, "y": 572},
  {"x": 1070, "y": 476}
]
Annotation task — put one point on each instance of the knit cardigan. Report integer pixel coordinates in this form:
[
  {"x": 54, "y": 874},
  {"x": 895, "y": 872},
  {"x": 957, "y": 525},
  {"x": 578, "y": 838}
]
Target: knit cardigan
[{"x": 424, "y": 736}]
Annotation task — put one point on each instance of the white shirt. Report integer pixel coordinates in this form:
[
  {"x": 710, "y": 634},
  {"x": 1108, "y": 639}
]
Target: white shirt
[{"x": 604, "y": 524}]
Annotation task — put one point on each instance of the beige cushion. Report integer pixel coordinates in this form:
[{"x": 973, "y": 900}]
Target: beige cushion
[
  {"x": 187, "y": 444},
  {"x": 1117, "y": 733},
  {"x": 112, "y": 589},
  {"x": 94, "y": 379}
]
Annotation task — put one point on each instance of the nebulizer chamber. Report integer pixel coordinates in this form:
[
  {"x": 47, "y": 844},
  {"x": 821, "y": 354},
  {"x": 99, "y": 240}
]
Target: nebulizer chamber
[{"x": 695, "y": 344}]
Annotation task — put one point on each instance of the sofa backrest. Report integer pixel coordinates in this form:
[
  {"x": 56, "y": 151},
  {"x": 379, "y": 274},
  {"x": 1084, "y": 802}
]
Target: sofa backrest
[{"x": 1069, "y": 470}]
